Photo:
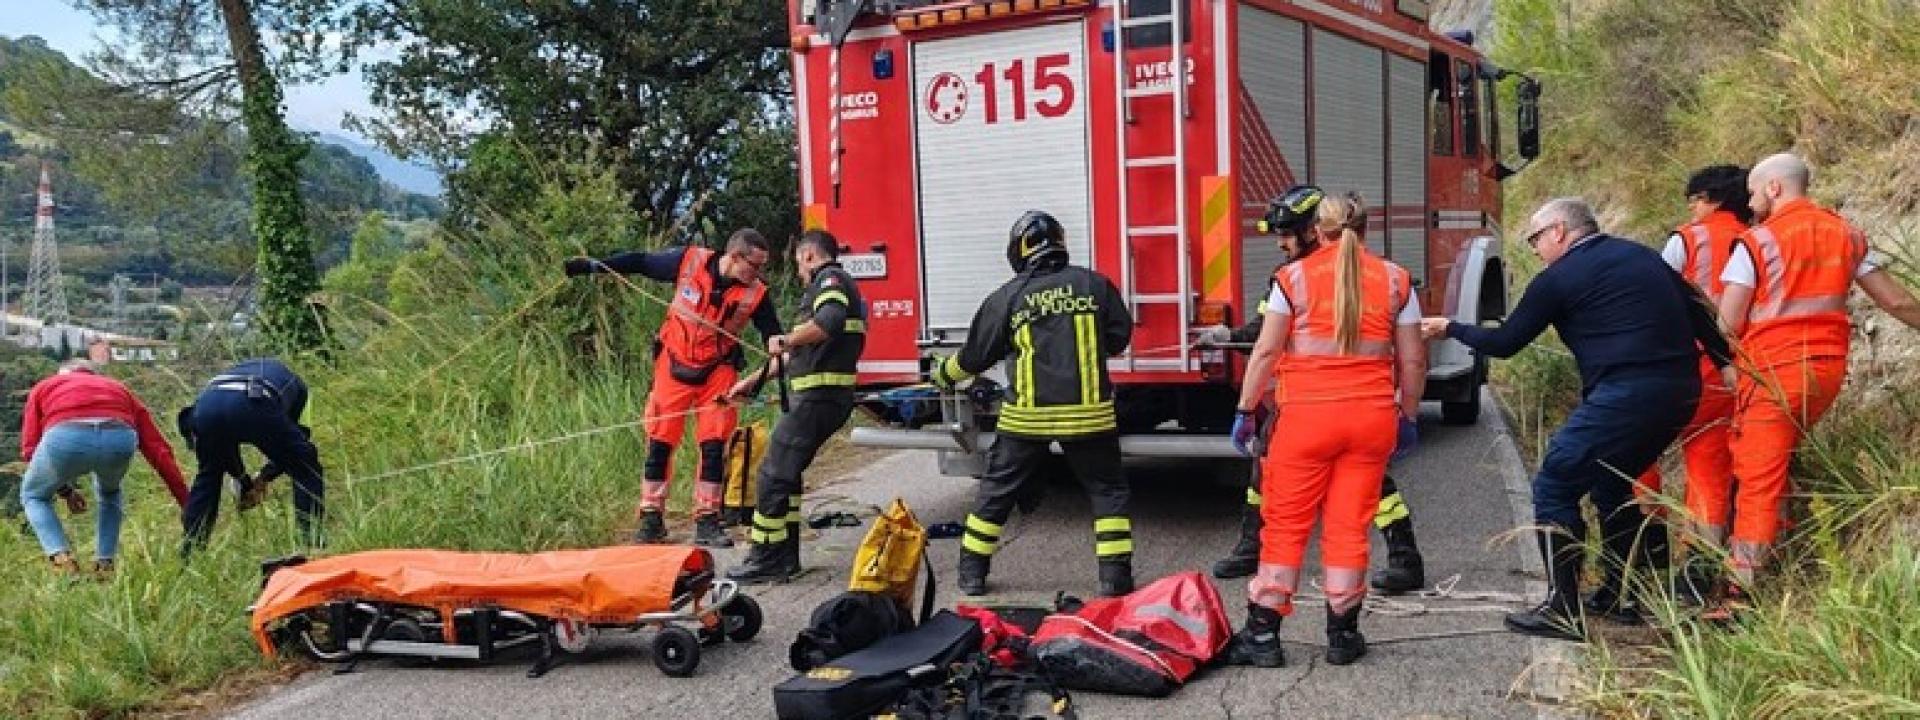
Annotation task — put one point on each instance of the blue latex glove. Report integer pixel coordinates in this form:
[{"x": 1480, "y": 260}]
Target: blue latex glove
[
  {"x": 1243, "y": 431},
  {"x": 1408, "y": 438}
]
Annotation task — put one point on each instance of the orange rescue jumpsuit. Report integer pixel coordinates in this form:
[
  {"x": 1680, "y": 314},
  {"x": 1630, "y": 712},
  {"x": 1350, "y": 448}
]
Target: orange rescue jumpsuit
[
  {"x": 1704, "y": 442},
  {"x": 1795, "y": 355},
  {"x": 693, "y": 369},
  {"x": 1341, "y": 418}
]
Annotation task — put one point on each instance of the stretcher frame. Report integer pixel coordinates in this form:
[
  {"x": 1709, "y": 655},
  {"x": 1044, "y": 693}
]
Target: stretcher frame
[{"x": 704, "y": 611}]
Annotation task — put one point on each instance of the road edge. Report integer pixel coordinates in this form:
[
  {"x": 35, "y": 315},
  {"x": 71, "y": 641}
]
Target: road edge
[{"x": 1549, "y": 681}]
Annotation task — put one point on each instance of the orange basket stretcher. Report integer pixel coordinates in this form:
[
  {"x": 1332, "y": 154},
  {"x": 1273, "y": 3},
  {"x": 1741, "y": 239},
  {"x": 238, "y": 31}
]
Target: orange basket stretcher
[{"x": 471, "y": 606}]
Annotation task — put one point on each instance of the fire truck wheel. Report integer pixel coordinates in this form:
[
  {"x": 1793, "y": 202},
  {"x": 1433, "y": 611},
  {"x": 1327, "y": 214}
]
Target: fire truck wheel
[
  {"x": 1467, "y": 412},
  {"x": 676, "y": 651}
]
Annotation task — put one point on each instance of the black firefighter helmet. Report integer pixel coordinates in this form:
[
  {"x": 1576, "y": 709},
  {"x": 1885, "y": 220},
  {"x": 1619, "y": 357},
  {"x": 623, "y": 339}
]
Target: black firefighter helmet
[
  {"x": 1035, "y": 235},
  {"x": 1294, "y": 211}
]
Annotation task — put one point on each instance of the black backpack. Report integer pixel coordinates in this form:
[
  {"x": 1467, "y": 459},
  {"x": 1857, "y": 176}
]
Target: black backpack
[
  {"x": 854, "y": 620},
  {"x": 844, "y": 623}
]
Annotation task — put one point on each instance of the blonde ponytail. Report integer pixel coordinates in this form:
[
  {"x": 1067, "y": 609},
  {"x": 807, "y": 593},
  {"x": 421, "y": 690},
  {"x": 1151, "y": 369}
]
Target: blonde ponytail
[{"x": 1347, "y": 216}]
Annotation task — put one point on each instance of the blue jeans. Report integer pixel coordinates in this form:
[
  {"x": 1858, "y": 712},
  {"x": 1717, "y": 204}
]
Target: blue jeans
[
  {"x": 1617, "y": 432},
  {"x": 67, "y": 451}
]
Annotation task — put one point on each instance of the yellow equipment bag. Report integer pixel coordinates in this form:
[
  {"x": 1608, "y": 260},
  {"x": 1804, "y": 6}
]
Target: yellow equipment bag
[
  {"x": 744, "y": 449},
  {"x": 890, "y": 557}
]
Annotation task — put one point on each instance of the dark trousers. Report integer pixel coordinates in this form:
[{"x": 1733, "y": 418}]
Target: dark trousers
[
  {"x": 1619, "y": 429},
  {"x": 223, "y": 420},
  {"x": 1013, "y": 462},
  {"x": 814, "y": 417}
]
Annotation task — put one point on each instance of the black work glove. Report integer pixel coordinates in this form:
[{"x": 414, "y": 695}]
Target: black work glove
[{"x": 578, "y": 266}]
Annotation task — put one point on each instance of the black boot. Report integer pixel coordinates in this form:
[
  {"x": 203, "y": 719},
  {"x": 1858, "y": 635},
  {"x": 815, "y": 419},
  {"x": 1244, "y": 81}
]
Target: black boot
[
  {"x": 1558, "y": 616},
  {"x": 1405, "y": 571},
  {"x": 1695, "y": 582},
  {"x": 793, "y": 547},
  {"x": 1345, "y": 644},
  {"x": 1258, "y": 643},
  {"x": 973, "y": 573},
  {"x": 1631, "y": 546},
  {"x": 653, "y": 528},
  {"x": 1610, "y": 600},
  {"x": 1116, "y": 577},
  {"x": 766, "y": 562},
  {"x": 1244, "y": 558},
  {"x": 708, "y": 533}
]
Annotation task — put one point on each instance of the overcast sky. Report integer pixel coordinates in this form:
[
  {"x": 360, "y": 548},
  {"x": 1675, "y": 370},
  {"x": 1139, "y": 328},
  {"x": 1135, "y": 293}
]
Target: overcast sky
[{"x": 317, "y": 108}]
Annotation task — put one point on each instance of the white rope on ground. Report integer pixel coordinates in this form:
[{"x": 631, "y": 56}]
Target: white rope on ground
[
  {"x": 1445, "y": 591},
  {"x": 528, "y": 445}
]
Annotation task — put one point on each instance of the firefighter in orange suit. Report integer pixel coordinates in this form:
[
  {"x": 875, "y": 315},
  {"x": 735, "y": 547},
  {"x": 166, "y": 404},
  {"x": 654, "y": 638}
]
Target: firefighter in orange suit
[
  {"x": 1342, "y": 343},
  {"x": 1717, "y": 201},
  {"x": 697, "y": 359},
  {"x": 1786, "y": 297}
]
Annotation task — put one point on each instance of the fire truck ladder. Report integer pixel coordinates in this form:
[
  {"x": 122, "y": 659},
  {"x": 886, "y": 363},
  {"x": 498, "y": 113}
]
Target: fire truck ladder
[{"x": 1175, "y": 88}]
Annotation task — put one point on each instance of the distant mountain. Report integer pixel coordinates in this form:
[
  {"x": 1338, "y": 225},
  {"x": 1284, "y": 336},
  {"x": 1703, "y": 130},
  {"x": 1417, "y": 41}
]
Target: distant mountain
[{"x": 404, "y": 175}]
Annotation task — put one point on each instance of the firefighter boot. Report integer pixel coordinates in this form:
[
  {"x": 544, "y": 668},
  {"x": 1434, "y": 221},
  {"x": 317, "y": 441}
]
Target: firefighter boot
[
  {"x": 792, "y": 546},
  {"x": 1345, "y": 644},
  {"x": 708, "y": 533},
  {"x": 767, "y": 562},
  {"x": 1258, "y": 644},
  {"x": 1116, "y": 577},
  {"x": 1405, "y": 571},
  {"x": 1244, "y": 558},
  {"x": 973, "y": 573},
  {"x": 1558, "y": 616},
  {"x": 653, "y": 527}
]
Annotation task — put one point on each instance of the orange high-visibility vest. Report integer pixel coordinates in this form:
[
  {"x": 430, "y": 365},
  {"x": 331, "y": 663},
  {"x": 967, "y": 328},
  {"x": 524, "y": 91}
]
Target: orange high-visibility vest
[
  {"x": 1312, "y": 368},
  {"x": 1804, "y": 259},
  {"x": 688, "y": 334},
  {"x": 1709, "y": 243}
]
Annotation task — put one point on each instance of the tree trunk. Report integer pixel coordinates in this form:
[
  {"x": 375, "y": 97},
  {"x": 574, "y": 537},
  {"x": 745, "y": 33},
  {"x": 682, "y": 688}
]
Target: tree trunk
[{"x": 285, "y": 257}]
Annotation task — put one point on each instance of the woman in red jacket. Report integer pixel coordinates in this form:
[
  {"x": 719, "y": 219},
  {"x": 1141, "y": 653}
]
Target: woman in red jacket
[{"x": 78, "y": 423}]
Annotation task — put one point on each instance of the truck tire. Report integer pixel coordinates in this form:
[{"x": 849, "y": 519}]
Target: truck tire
[{"x": 1467, "y": 412}]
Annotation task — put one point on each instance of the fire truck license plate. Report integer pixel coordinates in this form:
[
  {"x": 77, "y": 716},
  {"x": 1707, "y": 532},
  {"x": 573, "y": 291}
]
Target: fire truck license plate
[{"x": 865, "y": 266}]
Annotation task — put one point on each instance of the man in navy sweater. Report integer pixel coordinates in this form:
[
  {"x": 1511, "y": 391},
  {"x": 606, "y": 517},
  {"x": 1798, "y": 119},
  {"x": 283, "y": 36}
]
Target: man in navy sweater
[{"x": 1632, "y": 324}]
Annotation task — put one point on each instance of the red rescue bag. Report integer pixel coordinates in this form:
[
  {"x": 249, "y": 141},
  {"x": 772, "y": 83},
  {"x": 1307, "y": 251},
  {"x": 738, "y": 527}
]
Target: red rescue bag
[{"x": 1146, "y": 643}]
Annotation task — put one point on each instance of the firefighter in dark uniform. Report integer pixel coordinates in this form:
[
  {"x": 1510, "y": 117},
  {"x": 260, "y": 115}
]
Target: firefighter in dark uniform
[
  {"x": 821, "y": 354},
  {"x": 1290, "y": 217},
  {"x": 1055, "y": 324}
]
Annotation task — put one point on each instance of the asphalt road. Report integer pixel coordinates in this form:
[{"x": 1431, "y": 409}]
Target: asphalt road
[{"x": 1433, "y": 657}]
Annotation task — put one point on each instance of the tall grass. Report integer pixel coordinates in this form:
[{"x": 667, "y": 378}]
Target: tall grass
[
  {"x": 1641, "y": 92},
  {"x": 484, "y": 345}
]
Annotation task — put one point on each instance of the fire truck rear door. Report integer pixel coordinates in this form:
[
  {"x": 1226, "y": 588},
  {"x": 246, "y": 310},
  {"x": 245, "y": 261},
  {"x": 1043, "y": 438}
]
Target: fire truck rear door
[{"x": 1000, "y": 128}]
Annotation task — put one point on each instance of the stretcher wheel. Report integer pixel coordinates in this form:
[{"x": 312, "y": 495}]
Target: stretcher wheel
[
  {"x": 405, "y": 630},
  {"x": 741, "y": 619},
  {"x": 676, "y": 651}
]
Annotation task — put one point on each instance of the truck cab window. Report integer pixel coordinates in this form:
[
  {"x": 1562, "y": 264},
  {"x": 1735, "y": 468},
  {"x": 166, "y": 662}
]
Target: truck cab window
[
  {"x": 1491, "y": 112},
  {"x": 1156, "y": 35},
  {"x": 1469, "y": 111},
  {"x": 1440, "y": 104}
]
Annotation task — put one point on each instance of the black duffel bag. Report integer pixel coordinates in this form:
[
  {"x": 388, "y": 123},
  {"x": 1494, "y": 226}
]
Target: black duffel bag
[{"x": 867, "y": 681}]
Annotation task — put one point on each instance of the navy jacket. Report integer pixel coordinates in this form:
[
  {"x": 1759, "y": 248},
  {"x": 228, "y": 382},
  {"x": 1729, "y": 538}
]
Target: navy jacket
[{"x": 1618, "y": 307}]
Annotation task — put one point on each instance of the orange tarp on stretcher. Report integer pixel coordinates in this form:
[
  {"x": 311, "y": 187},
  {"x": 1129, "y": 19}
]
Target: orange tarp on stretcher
[{"x": 609, "y": 585}]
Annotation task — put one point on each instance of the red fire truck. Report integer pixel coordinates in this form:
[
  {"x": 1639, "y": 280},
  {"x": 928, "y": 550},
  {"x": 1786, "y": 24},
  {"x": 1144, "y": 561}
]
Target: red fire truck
[{"x": 925, "y": 129}]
